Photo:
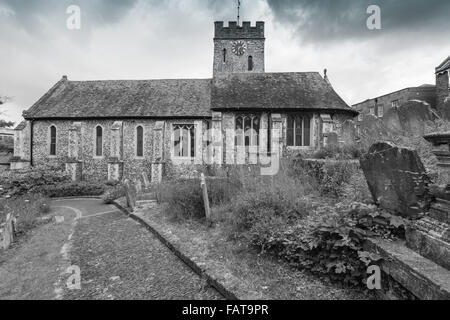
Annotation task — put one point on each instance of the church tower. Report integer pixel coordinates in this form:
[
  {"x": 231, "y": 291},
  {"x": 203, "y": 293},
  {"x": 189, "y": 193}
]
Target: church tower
[{"x": 237, "y": 48}]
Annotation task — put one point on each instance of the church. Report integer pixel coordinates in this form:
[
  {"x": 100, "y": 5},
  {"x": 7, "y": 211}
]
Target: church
[{"x": 117, "y": 129}]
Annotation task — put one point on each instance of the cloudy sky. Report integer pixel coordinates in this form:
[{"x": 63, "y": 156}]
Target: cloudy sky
[{"x": 145, "y": 39}]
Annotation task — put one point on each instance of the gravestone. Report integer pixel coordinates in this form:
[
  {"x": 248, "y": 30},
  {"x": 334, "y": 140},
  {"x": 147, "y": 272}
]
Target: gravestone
[
  {"x": 348, "y": 133},
  {"x": 147, "y": 183},
  {"x": 331, "y": 139},
  {"x": 414, "y": 115},
  {"x": 396, "y": 178}
]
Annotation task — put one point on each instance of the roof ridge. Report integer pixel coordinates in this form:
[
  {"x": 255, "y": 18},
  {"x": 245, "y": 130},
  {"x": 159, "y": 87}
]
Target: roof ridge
[{"x": 142, "y": 80}]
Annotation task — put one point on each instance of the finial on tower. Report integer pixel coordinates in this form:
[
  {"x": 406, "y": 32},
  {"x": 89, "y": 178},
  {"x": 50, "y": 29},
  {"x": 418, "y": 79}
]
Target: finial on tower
[{"x": 239, "y": 11}]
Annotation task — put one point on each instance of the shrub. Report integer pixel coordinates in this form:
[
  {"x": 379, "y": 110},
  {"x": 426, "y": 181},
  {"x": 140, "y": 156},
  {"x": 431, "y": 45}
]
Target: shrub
[
  {"x": 17, "y": 183},
  {"x": 26, "y": 209},
  {"x": 113, "y": 194},
  {"x": 330, "y": 241},
  {"x": 73, "y": 189},
  {"x": 266, "y": 204},
  {"x": 339, "y": 152},
  {"x": 184, "y": 197},
  {"x": 332, "y": 177}
]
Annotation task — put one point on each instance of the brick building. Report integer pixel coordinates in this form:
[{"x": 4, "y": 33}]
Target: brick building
[
  {"x": 443, "y": 88},
  {"x": 120, "y": 129},
  {"x": 437, "y": 96},
  {"x": 379, "y": 106}
]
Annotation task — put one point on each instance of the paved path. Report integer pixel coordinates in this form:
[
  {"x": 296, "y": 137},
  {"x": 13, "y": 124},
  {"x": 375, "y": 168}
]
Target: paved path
[{"x": 120, "y": 259}]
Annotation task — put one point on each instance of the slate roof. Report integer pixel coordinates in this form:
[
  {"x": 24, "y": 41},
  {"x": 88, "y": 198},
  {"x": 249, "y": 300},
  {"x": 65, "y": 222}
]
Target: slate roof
[
  {"x": 443, "y": 66},
  {"x": 127, "y": 98},
  {"x": 276, "y": 91},
  {"x": 194, "y": 98}
]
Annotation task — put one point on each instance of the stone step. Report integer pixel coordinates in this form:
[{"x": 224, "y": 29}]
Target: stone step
[
  {"x": 422, "y": 277},
  {"x": 430, "y": 238}
]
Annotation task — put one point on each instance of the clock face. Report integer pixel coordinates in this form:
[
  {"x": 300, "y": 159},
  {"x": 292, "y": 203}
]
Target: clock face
[{"x": 239, "y": 48}]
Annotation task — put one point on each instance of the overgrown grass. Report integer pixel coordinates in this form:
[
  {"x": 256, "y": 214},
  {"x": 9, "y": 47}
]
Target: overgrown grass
[{"x": 26, "y": 209}]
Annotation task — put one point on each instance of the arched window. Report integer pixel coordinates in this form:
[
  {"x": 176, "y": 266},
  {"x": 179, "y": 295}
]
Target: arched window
[
  {"x": 224, "y": 55},
  {"x": 250, "y": 63},
  {"x": 184, "y": 141},
  {"x": 299, "y": 131},
  {"x": 98, "y": 141},
  {"x": 139, "y": 141},
  {"x": 53, "y": 141},
  {"x": 247, "y": 130}
]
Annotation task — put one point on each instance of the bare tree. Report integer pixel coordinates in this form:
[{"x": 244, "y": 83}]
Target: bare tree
[{"x": 4, "y": 123}]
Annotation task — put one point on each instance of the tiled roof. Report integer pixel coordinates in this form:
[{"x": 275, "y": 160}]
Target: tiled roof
[
  {"x": 193, "y": 98},
  {"x": 127, "y": 98},
  {"x": 275, "y": 91},
  {"x": 444, "y": 66}
]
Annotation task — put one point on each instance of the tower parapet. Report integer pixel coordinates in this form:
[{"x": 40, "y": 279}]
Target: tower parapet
[{"x": 234, "y": 31}]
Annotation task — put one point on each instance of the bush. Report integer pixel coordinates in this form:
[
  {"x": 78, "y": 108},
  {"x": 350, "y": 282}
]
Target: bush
[
  {"x": 266, "y": 204},
  {"x": 26, "y": 209},
  {"x": 113, "y": 194},
  {"x": 332, "y": 177},
  {"x": 330, "y": 241},
  {"x": 184, "y": 198},
  {"x": 338, "y": 152},
  {"x": 73, "y": 189},
  {"x": 17, "y": 183}
]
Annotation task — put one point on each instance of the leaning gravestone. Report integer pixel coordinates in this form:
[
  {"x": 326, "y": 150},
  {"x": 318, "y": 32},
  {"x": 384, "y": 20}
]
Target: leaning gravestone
[{"x": 396, "y": 178}]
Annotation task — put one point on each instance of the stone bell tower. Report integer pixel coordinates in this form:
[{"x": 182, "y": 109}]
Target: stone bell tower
[{"x": 237, "y": 48}]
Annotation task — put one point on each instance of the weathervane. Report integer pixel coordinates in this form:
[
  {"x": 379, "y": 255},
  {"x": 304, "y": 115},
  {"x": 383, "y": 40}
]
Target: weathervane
[{"x": 239, "y": 9}]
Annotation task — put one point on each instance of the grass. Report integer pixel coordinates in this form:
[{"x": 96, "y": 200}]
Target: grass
[
  {"x": 32, "y": 266},
  {"x": 244, "y": 269}
]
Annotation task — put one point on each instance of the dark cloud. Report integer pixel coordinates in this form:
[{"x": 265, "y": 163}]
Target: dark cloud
[
  {"x": 32, "y": 14},
  {"x": 325, "y": 20}
]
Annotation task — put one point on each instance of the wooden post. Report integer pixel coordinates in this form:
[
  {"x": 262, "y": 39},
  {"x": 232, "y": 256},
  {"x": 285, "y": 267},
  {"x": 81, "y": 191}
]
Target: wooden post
[
  {"x": 8, "y": 232},
  {"x": 205, "y": 198}
]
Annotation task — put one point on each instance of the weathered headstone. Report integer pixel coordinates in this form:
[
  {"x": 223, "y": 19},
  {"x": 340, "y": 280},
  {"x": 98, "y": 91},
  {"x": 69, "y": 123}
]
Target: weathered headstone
[
  {"x": 331, "y": 139},
  {"x": 396, "y": 178},
  {"x": 130, "y": 195},
  {"x": 147, "y": 183},
  {"x": 414, "y": 115},
  {"x": 348, "y": 135}
]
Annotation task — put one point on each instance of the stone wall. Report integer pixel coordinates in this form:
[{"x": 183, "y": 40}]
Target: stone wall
[
  {"x": 75, "y": 150},
  {"x": 234, "y": 63}
]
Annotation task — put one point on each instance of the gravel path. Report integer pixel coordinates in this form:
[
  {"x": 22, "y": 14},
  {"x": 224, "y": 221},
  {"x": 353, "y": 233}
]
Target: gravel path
[{"x": 119, "y": 259}]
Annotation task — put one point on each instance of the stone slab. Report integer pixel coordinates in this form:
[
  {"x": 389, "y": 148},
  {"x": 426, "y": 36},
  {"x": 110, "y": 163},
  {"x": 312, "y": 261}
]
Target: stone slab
[{"x": 422, "y": 277}]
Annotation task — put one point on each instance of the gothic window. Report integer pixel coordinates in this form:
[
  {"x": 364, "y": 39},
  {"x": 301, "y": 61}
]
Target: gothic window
[
  {"x": 299, "y": 131},
  {"x": 224, "y": 55},
  {"x": 139, "y": 141},
  {"x": 184, "y": 141},
  {"x": 380, "y": 111},
  {"x": 98, "y": 141},
  {"x": 53, "y": 141},
  {"x": 250, "y": 63},
  {"x": 247, "y": 130}
]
